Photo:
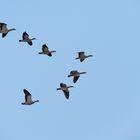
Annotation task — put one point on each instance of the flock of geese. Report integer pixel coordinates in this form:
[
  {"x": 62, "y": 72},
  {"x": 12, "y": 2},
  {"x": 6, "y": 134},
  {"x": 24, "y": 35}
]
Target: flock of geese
[{"x": 45, "y": 51}]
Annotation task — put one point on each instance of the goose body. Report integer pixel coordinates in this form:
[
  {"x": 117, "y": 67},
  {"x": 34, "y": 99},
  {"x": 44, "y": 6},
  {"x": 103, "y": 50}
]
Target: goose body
[
  {"x": 4, "y": 30},
  {"x": 82, "y": 56},
  {"x": 28, "y": 98},
  {"x": 45, "y": 50},
  {"x": 75, "y": 74},
  {"x": 65, "y": 89},
  {"x": 25, "y": 38}
]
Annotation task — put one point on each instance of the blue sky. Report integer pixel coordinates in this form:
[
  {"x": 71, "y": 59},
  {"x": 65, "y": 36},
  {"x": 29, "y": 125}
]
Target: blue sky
[{"x": 104, "y": 104}]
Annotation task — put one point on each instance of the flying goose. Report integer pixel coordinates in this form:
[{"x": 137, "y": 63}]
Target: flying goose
[
  {"x": 45, "y": 50},
  {"x": 82, "y": 56},
  {"x": 4, "y": 30},
  {"x": 25, "y": 38},
  {"x": 75, "y": 75},
  {"x": 28, "y": 98},
  {"x": 64, "y": 88}
]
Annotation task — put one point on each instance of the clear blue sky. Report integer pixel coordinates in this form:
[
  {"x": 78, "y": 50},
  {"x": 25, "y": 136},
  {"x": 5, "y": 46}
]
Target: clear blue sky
[{"x": 105, "y": 103}]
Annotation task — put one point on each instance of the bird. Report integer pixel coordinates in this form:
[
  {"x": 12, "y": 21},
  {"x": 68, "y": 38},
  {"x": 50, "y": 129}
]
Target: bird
[
  {"x": 64, "y": 88},
  {"x": 4, "y": 30},
  {"x": 82, "y": 56},
  {"x": 28, "y": 98},
  {"x": 45, "y": 50},
  {"x": 25, "y": 38},
  {"x": 75, "y": 75}
]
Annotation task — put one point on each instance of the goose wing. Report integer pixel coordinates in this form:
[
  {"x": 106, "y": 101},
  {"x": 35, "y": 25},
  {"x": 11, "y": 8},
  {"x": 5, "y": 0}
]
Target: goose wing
[
  {"x": 75, "y": 78},
  {"x": 65, "y": 90},
  {"x": 30, "y": 42},
  {"x": 45, "y": 48},
  {"x": 66, "y": 93},
  {"x": 25, "y": 36},
  {"x": 28, "y": 96},
  {"x": 4, "y": 34},
  {"x": 81, "y": 60},
  {"x": 49, "y": 54}
]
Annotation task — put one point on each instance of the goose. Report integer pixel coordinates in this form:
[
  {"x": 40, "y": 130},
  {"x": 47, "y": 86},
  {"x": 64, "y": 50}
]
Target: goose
[
  {"x": 25, "y": 38},
  {"x": 82, "y": 56},
  {"x": 75, "y": 75},
  {"x": 4, "y": 30},
  {"x": 45, "y": 50},
  {"x": 28, "y": 98},
  {"x": 64, "y": 88}
]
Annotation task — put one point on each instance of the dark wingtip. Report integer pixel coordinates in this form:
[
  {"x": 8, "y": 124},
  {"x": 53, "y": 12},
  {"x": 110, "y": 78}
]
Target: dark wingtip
[
  {"x": 67, "y": 97},
  {"x": 50, "y": 54},
  {"x": 24, "y": 89},
  {"x": 75, "y": 79},
  {"x": 4, "y": 34},
  {"x": 30, "y": 43}
]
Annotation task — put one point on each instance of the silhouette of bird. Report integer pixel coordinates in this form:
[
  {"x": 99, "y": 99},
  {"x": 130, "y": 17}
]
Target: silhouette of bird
[
  {"x": 28, "y": 98},
  {"x": 45, "y": 50},
  {"x": 75, "y": 74},
  {"x": 4, "y": 30},
  {"x": 82, "y": 56},
  {"x": 25, "y": 38},
  {"x": 65, "y": 90}
]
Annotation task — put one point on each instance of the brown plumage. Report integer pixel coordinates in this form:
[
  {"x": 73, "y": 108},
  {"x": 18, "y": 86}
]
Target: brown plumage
[
  {"x": 75, "y": 74},
  {"x": 4, "y": 30},
  {"x": 45, "y": 50},
  {"x": 28, "y": 98},
  {"x": 65, "y": 90},
  {"x": 25, "y": 38},
  {"x": 82, "y": 56}
]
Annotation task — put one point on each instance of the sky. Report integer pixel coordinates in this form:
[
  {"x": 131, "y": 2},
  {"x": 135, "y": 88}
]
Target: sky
[{"x": 104, "y": 103}]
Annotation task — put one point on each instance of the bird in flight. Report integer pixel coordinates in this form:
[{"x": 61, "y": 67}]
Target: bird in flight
[
  {"x": 75, "y": 74},
  {"x": 82, "y": 56},
  {"x": 65, "y": 89},
  {"x": 4, "y": 30},
  {"x": 45, "y": 50},
  {"x": 25, "y": 38},
  {"x": 28, "y": 98}
]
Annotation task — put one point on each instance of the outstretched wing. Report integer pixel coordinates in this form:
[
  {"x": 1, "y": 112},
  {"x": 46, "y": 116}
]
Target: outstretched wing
[
  {"x": 75, "y": 79},
  {"x": 4, "y": 34},
  {"x": 81, "y": 60},
  {"x": 66, "y": 93},
  {"x": 45, "y": 48},
  {"x": 28, "y": 96},
  {"x": 49, "y": 54},
  {"x": 30, "y": 42},
  {"x": 25, "y": 36}
]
